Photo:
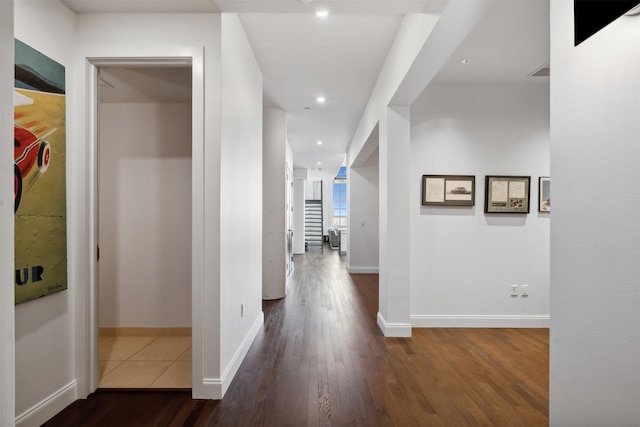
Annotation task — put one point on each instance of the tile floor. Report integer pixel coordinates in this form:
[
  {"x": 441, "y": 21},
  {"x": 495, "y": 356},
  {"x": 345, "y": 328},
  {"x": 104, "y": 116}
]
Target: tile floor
[{"x": 145, "y": 362}]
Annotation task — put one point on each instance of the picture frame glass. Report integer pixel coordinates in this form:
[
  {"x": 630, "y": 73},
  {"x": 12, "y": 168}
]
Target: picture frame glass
[
  {"x": 507, "y": 194},
  {"x": 544, "y": 194},
  {"x": 448, "y": 190}
]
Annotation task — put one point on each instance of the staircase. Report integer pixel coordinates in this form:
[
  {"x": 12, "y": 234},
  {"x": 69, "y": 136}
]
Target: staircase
[{"x": 313, "y": 224}]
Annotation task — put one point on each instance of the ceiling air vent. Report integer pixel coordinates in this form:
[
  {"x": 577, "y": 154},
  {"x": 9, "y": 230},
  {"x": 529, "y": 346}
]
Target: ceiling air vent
[{"x": 541, "y": 72}]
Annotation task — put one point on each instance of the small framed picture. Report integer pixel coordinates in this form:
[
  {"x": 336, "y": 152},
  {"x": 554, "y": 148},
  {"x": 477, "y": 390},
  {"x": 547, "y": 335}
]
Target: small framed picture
[
  {"x": 507, "y": 194},
  {"x": 448, "y": 190},
  {"x": 544, "y": 194}
]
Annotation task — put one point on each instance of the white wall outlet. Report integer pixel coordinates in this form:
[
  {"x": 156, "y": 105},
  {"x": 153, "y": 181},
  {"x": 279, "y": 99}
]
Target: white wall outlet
[
  {"x": 524, "y": 290},
  {"x": 242, "y": 309},
  {"x": 514, "y": 290}
]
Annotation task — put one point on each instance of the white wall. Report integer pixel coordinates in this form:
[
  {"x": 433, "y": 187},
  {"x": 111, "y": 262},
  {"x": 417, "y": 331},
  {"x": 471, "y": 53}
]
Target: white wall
[
  {"x": 363, "y": 252},
  {"x": 45, "y": 380},
  {"x": 595, "y": 232},
  {"x": 145, "y": 215},
  {"x": 196, "y": 36},
  {"x": 240, "y": 198},
  {"x": 463, "y": 261},
  {"x": 7, "y": 315}
]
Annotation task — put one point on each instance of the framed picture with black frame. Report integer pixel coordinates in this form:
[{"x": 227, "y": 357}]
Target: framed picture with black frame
[
  {"x": 448, "y": 190},
  {"x": 544, "y": 194},
  {"x": 507, "y": 194}
]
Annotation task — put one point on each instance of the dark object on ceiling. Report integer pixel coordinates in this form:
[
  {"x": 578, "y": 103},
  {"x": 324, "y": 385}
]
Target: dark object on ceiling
[{"x": 590, "y": 16}]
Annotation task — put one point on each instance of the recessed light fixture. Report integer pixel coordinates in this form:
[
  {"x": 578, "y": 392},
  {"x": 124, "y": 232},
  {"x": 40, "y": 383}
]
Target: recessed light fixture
[
  {"x": 320, "y": 99},
  {"x": 319, "y": 163},
  {"x": 465, "y": 60},
  {"x": 307, "y": 108},
  {"x": 319, "y": 142},
  {"x": 322, "y": 13}
]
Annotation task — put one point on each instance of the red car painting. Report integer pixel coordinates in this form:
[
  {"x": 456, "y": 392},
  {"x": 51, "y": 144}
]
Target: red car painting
[{"x": 29, "y": 151}]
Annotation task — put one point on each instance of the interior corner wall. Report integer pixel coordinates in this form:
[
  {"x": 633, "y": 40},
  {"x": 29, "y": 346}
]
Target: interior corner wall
[
  {"x": 364, "y": 225},
  {"x": 44, "y": 340},
  {"x": 240, "y": 198},
  {"x": 595, "y": 232},
  {"x": 145, "y": 215},
  {"x": 7, "y": 267},
  {"x": 463, "y": 260}
]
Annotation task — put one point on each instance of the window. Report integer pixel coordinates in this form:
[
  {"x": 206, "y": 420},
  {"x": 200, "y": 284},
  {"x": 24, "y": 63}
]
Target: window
[{"x": 340, "y": 199}]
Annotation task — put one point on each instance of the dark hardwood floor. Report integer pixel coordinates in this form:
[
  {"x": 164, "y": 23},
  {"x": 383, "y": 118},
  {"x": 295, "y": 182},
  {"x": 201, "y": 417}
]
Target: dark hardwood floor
[{"x": 321, "y": 360}]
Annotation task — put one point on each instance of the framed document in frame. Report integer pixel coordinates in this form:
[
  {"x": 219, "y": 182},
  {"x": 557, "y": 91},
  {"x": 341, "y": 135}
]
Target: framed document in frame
[
  {"x": 448, "y": 190},
  {"x": 507, "y": 194},
  {"x": 544, "y": 194}
]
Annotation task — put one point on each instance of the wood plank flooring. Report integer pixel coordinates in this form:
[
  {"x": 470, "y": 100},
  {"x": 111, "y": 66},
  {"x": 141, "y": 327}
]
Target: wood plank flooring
[{"x": 321, "y": 360}]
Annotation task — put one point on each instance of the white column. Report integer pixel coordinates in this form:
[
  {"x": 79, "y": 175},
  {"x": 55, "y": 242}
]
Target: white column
[
  {"x": 394, "y": 288},
  {"x": 273, "y": 204}
]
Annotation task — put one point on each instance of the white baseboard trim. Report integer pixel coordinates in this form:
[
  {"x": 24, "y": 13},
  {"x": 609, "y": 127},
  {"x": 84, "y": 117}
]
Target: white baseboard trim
[
  {"x": 398, "y": 330},
  {"x": 215, "y": 388},
  {"x": 479, "y": 321},
  {"x": 362, "y": 270},
  {"x": 46, "y": 409}
]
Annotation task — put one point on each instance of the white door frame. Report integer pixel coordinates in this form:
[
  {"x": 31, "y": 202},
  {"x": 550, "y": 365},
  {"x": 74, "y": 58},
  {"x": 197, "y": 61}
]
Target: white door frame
[{"x": 87, "y": 301}]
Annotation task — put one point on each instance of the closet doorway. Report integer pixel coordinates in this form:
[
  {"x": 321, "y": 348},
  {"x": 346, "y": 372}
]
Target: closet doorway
[{"x": 144, "y": 227}]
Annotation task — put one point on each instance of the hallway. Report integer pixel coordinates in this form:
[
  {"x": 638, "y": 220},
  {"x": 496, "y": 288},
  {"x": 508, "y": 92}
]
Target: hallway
[{"x": 321, "y": 360}]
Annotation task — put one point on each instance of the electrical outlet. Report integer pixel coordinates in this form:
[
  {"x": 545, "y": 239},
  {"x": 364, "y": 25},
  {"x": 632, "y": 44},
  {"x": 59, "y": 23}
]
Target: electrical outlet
[
  {"x": 514, "y": 290},
  {"x": 525, "y": 290}
]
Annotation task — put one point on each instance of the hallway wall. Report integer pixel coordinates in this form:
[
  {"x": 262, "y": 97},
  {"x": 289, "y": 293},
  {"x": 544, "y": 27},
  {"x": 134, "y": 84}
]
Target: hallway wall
[
  {"x": 145, "y": 215},
  {"x": 44, "y": 346},
  {"x": 595, "y": 232},
  {"x": 363, "y": 187},
  {"x": 463, "y": 261}
]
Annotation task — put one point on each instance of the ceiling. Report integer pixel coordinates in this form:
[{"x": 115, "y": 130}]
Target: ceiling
[{"x": 303, "y": 56}]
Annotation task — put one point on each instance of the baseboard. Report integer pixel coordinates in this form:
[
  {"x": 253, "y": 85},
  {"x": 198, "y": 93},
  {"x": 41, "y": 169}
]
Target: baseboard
[
  {"x": 215, "y": 388},
  {"x": 362, "y": 270},
  {"x": 398, "y": 330},
  {"x": 49, "y": 407},
  {"x": 113, "y": 331},
  {"x": 479, "y": 321}
]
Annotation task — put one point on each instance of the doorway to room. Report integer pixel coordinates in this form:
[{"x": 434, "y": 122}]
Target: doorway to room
[{"x": 144, "y": 223}]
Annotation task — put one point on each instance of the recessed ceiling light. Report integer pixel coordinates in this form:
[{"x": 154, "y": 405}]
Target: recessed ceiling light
[
  {"x": 319, "y": 142},
  {"x": 320, "y": 99},
  {"x": 319, "y": 163},
  {"x": 465, "y": 60},
  {"x": 307, "y": 108},
  {"x": 322, "y": 13}
]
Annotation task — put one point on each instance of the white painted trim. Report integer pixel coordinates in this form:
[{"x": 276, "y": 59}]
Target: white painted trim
[
  {"x": 479, "y": 321},
  {"x": 7, "y": 265},
  {"x": 237, "y": 359},
  {"x": 362, "y": 270},
  {"x": 215, "y": 388},
  {"x": 87, "y": 368},
  {"x": 43, "y": 411},
  {"x": 399, "y": 330}
]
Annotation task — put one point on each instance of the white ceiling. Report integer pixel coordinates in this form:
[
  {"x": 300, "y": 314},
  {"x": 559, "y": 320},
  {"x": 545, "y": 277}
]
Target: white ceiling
[{"x": 303, "y": 56}]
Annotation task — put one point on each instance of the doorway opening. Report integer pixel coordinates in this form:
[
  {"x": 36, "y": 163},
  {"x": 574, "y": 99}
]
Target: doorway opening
[{"x": 144, "y": 227}]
